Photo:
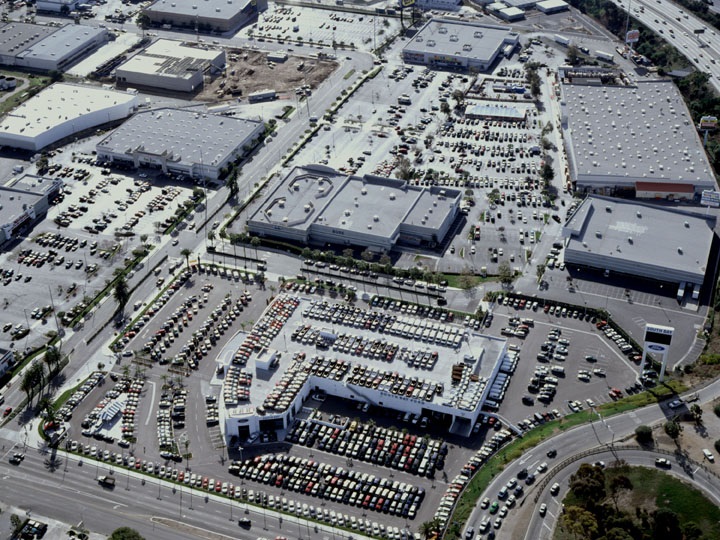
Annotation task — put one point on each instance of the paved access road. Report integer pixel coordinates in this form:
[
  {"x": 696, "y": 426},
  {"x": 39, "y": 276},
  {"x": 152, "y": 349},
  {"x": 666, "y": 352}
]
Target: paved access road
[
  {"x": 604, "y": 431},
  {"x": 542, "y": 528},
  {"x": 68, "y": 491}
]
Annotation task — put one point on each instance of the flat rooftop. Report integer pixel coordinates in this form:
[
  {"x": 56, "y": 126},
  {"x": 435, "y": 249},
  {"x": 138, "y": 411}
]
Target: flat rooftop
[
  {"x": 370, "y": 205},
  {"x": 172, "y": 59},
  {"x": 474, "y": 41},
  {"x": 628, "y": 133},
  {"x": 63, "y": 41},
  {"x": 210, "y": 9},
  {"x": 26, "y": 190},
  {"x": 16, "y": 37},
  {"x": 58, "y": 104},
  {"x": 643, "y": 233},
  {"x": 284, "y": 382},
  {"x": 191, "y": 137},
  {"x": 552, "y": 4}
]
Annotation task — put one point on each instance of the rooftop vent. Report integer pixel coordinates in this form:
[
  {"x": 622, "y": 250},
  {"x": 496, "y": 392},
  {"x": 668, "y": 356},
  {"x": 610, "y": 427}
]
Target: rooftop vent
[
  {"x": 680, "y": 250},
  {"x": 598, "y": 234},
  {"x": 392, "y": 196},
  {"x": 638, "y": 214},
  {"x": 608, "y": 208},
  {"x": 687, "y": 225},
  {"x": 376, "y": 218},
  {"x": 630, "y": 240}
]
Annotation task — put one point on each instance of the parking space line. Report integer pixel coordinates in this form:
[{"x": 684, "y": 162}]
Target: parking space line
[{"x": 152, "y": 401}]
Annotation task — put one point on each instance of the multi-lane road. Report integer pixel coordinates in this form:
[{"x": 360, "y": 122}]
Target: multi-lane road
[
  {"x": 603, "y": 432},
  {"x": 67, "y": 491},
  {"x": 678, "y": 26}
]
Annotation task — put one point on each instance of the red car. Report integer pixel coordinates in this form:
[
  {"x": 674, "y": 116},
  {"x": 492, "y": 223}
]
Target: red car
[{"x": 7, "y": 411}]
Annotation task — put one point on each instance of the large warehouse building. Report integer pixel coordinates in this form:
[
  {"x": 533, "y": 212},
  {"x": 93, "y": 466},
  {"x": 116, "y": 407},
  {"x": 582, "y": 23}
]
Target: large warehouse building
[
  {"x": 179, "y": 141},
  {"x": 318, "y": 205},
  {"x": 205, "y": 15},
  {"x": 269, "y": 374},
  {"x": 458, "y": 45},
  {"x": 633, "y": 140},
  {"x": 63, "y": 110},
  {"x": 47, "y": 48},
  {"x": 23, "y": 203},
  {"x": 639, "y": 240},
  {"x": 171, "y": 65}
]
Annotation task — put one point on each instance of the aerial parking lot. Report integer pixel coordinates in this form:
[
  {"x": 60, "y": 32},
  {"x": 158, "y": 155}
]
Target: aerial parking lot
[{"x": 298, "y": 26}]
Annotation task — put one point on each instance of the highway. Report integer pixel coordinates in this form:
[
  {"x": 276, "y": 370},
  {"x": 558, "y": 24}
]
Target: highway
[
  {"x": 603, "y": 432},
  {"x": 677, "y": 27},
  {"x": 67, "y": 491}
]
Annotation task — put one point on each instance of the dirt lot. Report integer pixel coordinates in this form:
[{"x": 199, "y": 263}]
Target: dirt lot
[{"x": 249, "y": 71}]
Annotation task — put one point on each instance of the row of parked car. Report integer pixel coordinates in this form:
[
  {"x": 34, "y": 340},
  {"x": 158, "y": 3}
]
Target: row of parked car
[
  {"x": 458, "y": 483},
  {"x": 123, "y": 398},
  {"x": 326, "y": 481},
  {"x": 373, "y": 444}
]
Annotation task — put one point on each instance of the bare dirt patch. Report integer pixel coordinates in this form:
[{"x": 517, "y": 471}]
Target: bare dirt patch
[{"x": 250, "y": 71}]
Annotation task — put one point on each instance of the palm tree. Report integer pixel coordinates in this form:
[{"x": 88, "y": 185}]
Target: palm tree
[
  {"x": 185, "y": 252},
  {"x": 121, "y": 293},
  {"x": 244, "y": 237},
  {"x": 27, "y": 385},
  {"x": 52, "y": 357},
  {"x": 427, "y": 528},
  {"x": 255, "y": 242}
]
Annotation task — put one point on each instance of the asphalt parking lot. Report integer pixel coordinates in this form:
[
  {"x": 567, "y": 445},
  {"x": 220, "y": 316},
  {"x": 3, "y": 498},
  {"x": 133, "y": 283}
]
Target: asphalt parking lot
[
  {"x": 590, "y": 354},
  {"x": 286, "y": 23}
]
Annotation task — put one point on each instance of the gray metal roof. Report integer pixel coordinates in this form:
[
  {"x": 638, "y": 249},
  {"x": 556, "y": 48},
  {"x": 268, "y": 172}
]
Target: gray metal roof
[
  {"x": 62, "y": 42},
  {"x": 171, "y": 58},
  {"x": 634, "y": 133},
  {"x": 26, "y": 190},
  {"x": 474, "y": 41},
  {"x": 191, "y": 137},
  {"x": 642, "y": 234},
  {"x": 214, "y": 9},
  {"x": 16, "y": 37}
]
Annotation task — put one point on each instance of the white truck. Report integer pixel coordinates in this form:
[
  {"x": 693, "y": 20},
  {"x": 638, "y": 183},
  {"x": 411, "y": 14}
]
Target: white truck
[
  {"x": 607, "y": 57},
  {"x": 562, "y": 40}
]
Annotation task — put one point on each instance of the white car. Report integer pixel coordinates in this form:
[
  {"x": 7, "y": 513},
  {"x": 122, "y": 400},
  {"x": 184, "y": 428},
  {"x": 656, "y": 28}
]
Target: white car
[
  {"x": 709, "y": 455},
  {"x": 674, "y": 404}
]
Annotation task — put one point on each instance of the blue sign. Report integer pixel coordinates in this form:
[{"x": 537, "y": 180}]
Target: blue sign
[{"x": 654, "y": 347}]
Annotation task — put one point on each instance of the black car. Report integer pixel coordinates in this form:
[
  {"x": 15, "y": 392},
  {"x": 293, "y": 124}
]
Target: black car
[
  {"x": 552, "y": 453},
  {"x": 245, "y": 522}
]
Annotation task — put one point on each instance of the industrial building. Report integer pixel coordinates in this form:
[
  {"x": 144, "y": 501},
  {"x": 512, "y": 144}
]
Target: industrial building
[
  {"x": 56, "y": 6},
  {"x": 171, "y": 65},
  {"x": 493, "y": 111},
  {"x": 511, "y": 14},
  {"x": 47, "y": 48},
  {"x": 268, "y": 375},
  {"x": 179, "y": 141},
  {"x": 205, "y": 15},
  {"x": 640, "y": 240},
  {"x": 552, "y": 6},
  {"x": 63, "y": 110},
  {"x": 444, "y": 5},
  {"x": 633, "y": 140},
  {"x": 458, "y": 45},
  {"x": 23, "y": 203},
  {"x": 317, "y": 205}
]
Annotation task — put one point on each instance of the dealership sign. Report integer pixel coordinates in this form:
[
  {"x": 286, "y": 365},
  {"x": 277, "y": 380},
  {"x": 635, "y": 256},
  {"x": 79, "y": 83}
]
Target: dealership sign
[
  {"x": 633, "y": 36},
  {"x": 708, "y": 122},
  {"x": 710, "y": 198},
  {"x": 654, "y": 347}
]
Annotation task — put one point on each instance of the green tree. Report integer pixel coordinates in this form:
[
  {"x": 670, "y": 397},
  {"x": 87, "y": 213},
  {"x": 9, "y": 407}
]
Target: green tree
[
  {"x": 255, "y": 242},
  {"x": 579, "y": 522},
  {"x": 616, "y": 533},
  {"x": 232, "y": 183},
  {"x": 445, "y": 108},
  {"x": 717, "y": 445},
  {"x": 367, "y": 255},
  {"x": 185, "y": 252},
  {"x": 643, "y": 434},
  {"x": 696, "y": 412},
  {"x": 15, "y": 520},
  {"x": 459, "y": 97},
  {"x": 143, "y": 21},
  {"x": 51, "y": 357},
  {"x": 573, "y": 55},
  {"x": 691, "y": 531},
  {"x": 466, "y": 279},
  {"x": 505, "y": 273},
  {"x": 403, "y": 169},
  {"x": 619, "y": 484},
  {"x": 121, "y": 292},
  {"x": 547, "y": 173},
  {"x": 673, "y": 429},
  {"x": 716, "y": 410},
  {"x": 126, "y": 533},
  {"x": 540, "y": 271},
  {"x": 588, "y": 484},
  {"x": 666, "y": 525}
]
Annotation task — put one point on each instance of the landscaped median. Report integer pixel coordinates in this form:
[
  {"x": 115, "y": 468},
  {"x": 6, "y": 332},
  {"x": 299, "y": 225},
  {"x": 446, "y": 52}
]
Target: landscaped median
[{"x": 479, "y": 483}]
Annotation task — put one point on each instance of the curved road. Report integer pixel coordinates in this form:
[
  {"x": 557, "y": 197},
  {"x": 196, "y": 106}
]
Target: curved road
[
  {"x": 542, "y": 528},
  {"x": 602, "y": 432}
]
